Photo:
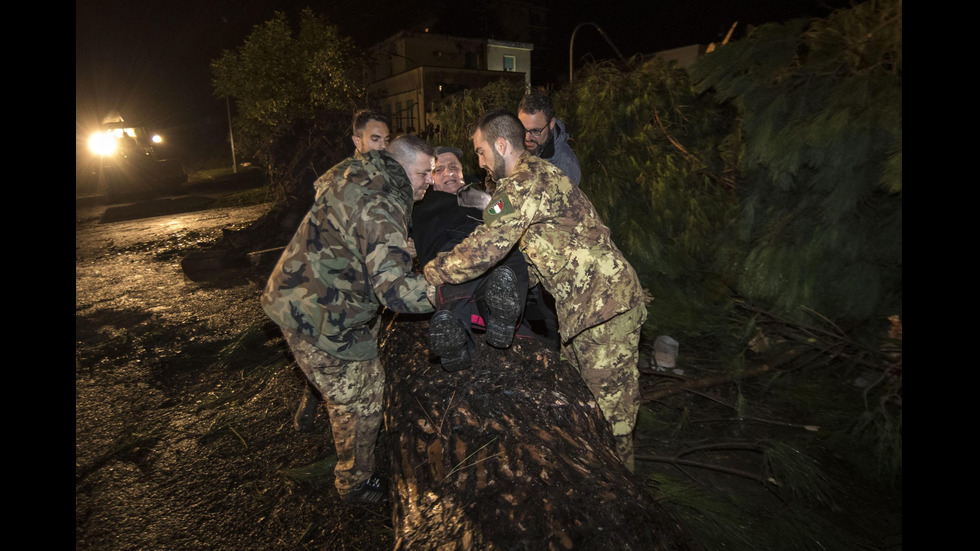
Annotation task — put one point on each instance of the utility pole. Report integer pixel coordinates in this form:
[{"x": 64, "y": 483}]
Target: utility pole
[
  {"x": 572, "y": 42},
  {"x": 231, "y": 135}
]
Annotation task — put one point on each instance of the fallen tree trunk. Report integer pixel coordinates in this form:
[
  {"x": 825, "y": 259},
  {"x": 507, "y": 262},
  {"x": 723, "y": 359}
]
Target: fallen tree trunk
[{"x": 510, "y": 454}]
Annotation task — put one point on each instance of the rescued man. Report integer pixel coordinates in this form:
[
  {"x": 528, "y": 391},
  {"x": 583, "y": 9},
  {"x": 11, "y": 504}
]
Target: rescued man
[
  {"x": 345, "y": 264},
  {"x": 570, "y": 251},
  {"x": 493, "y": 304}
]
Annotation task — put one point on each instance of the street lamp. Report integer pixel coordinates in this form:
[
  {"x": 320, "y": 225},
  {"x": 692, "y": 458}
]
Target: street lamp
[{"x": 572, "y": 42}]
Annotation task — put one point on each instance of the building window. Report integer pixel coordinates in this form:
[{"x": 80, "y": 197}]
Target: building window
[{"x": 510, "y": 62}]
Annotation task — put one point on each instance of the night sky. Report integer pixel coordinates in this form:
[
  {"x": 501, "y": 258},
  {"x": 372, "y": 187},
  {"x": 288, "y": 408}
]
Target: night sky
[{"x": 151, "y": 60}]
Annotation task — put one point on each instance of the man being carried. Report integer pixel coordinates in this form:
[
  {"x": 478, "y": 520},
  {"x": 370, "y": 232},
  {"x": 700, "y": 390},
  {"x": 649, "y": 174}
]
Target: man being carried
[{"x": 493, "y": 303}]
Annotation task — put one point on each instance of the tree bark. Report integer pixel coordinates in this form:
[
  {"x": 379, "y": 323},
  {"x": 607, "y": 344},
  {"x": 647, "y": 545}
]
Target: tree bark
[{"x": 512, "y": 453}]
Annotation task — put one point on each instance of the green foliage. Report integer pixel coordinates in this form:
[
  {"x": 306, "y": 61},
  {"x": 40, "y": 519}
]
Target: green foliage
[
  {"x": 800, "y": 476},
  {"x": 457, "y": 114},
  {"x": 294, "y": 93},
  {"x": 747, "y": 520},
  {"x": 659, "y": 162},
  {"x": 820, "y": 202},
  {"x": 317, "y": 471}
]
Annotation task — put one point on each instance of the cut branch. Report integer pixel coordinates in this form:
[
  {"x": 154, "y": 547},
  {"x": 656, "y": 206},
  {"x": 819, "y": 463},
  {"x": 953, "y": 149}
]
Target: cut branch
[
  {"x": 709, "y": 466},
  {"x": 715, "y": 380}
]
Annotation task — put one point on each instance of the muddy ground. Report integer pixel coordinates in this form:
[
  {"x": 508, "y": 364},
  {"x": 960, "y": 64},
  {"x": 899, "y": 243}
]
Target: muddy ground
[
  {"x": 184, "y": 400},
  {"x": 179, "y": 442}
]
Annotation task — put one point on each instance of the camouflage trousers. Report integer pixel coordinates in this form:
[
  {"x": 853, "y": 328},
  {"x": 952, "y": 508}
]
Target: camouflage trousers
[
  {"x": 607, "y": 355},
  {"x": 354, "y": 394}
]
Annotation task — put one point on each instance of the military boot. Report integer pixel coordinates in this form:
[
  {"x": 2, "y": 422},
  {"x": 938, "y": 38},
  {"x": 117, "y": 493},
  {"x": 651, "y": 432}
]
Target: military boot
[
  {"x": 306, "y": 412},
  {"x": 502, "y": 301},
  {"x": 448, "y": 340},
  {"x": 371, "y": 491}
]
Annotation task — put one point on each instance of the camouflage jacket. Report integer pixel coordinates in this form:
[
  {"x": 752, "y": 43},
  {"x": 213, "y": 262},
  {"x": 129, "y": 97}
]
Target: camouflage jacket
[
  {"x": 347, "y": 260},
  {"x": 567, "y": 246},
  {"x": 336, "y": 172}
]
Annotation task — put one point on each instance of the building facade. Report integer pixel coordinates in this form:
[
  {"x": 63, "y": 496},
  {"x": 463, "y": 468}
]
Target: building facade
[{"x": 412, "y": 71}]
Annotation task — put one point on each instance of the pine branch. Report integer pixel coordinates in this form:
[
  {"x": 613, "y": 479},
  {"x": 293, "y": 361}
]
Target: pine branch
[
  {"x": 677, "y": 462},
  {"x": 811, "y": 428},
  {"x": 707, "y": 382},
  {"x": 726, "y": 181}
]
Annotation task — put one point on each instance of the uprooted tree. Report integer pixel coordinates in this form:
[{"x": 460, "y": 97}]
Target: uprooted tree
[
  {"x": 512, "y": 453},
  {"x": 759, "y": 196}
]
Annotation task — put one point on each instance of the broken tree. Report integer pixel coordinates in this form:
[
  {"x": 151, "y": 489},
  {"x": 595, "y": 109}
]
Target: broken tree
[{"x": 512, "y": 453}]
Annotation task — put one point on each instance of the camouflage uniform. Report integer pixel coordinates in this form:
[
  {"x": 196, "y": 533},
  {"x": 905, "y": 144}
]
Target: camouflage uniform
[
  {"x": 570, "y": 251},
  {"x": 336, "y": 172},
  {"x": 345, "y": 263}
]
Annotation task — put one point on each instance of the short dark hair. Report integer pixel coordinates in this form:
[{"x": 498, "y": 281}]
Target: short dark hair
[
  {"x": 450, "y": 149},
  {"x": 501, "y": 123},
  {"x": 406, "y": 147},
  {"x": 536, "y": 101},
  {"x": 362, "y": 117}
]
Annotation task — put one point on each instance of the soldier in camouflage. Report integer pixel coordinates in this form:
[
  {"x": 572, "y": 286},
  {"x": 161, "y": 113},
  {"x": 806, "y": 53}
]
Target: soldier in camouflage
[
  {"x": 344, "y": 265},
  {"x": 569, "y": 250},
  {"x": 369, "y": 132}
]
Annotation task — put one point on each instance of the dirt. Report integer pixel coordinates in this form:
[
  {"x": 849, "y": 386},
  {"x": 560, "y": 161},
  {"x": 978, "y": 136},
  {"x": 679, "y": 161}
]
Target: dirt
[{"x": 179, "y": 442}]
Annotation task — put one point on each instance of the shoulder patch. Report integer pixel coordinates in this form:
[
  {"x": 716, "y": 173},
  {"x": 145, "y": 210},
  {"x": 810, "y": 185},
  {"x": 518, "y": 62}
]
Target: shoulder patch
[{"x": 499, "y": 206}]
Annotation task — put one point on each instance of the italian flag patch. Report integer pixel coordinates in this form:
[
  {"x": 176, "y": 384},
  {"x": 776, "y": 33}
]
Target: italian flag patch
[{"x": 499, "y": 207}]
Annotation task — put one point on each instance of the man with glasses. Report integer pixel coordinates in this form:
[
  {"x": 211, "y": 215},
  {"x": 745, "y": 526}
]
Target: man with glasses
[
  {"x": 545, "y": 135},
  {"x": 447, "y": 214}
]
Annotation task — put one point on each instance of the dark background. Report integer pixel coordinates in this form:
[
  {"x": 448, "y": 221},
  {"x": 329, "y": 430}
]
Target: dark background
[{"x": 151, "y": 60}]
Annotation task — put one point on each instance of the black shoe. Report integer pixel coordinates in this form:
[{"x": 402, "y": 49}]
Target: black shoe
[
  {"x": 306, "y": 412},
  {"x": 448, "y": 340},
  {"x": 502, "y": 300},
  {"x": 372, "y": 490}
]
